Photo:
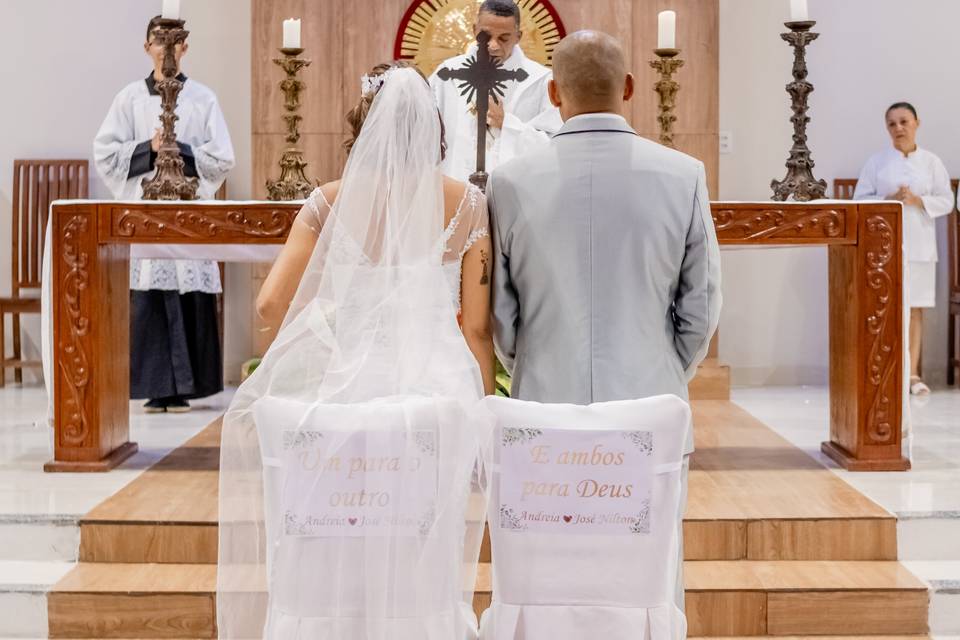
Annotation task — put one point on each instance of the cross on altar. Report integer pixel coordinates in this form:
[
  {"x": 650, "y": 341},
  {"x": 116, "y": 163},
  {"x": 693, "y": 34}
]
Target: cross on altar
[{"x": 481, "y": 76}]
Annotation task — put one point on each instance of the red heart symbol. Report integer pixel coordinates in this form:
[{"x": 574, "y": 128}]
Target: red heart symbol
[
  {"x": 567, "y": 518},
  {"x": 352, "y": 520}
]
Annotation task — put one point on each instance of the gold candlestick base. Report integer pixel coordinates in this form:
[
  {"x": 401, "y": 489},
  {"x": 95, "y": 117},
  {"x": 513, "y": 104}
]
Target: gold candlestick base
[
  {"x": 667, "y": 88},
  {"x": 169, "y": 182},
  {"x": 293, "y": 183}
]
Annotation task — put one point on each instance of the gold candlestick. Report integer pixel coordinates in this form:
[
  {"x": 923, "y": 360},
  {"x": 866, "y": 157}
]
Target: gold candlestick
[
  {"x": 169, "y": 182},
  {"x": 293, "y": 183},
  {"x": 667, "y": 89}
]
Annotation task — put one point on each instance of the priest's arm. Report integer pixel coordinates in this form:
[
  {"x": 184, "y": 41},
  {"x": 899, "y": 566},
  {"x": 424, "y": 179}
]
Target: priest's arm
[
  {"x": 696, "y": 306},
  {"x": 517, "y": 136}
]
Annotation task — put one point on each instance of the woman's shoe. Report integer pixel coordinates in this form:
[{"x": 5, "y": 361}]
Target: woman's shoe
[{"x": 918, "y": 387}]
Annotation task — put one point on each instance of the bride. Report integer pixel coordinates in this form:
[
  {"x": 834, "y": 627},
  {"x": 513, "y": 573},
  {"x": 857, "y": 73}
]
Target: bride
[{"x": 384, "y": 346}]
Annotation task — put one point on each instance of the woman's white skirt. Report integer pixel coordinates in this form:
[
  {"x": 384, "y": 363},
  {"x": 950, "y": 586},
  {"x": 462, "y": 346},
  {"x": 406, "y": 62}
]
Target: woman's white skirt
[{"x": 923, "y": 284}]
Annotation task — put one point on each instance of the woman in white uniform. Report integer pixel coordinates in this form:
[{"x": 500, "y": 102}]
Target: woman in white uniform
[{"x": 918, "y": 179}]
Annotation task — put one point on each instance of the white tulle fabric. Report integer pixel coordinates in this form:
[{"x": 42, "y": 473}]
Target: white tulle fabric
[
  {"x": 554, "y": 586},
  {"x": 370, "y": 344}
]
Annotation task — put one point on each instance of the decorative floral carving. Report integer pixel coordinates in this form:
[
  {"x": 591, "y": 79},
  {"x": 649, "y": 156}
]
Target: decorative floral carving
[
  {"x": 883, "y": 396},
  {"x": 750, "y": 224},
  {"x": 195, "y": 224},
  {"x": 74, "y": 365}
]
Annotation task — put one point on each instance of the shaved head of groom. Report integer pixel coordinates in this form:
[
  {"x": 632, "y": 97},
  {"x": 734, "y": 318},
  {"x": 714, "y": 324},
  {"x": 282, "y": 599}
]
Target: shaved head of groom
[{"x": 589, "y": 75}]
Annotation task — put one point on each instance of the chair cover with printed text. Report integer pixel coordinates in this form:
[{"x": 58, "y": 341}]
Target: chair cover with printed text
[
  {"x": 570, "y": 583},
  {"x": 365, "y": 511}
]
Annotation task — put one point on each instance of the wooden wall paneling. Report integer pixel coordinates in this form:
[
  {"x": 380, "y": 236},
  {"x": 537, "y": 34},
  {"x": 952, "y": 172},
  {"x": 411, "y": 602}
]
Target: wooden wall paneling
[
  {"x": 369, "y": 28},
  {"x": 351, "y": 37},
  {"x": 698, "y": 102},
  {"x": 266, "y": 33},
  {"x": 323, "y": 40}
]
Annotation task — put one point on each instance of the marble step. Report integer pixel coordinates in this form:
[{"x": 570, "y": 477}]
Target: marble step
[
  {"x": 41, "y": 538},
  {"x": 743, "y": 598},
  {"x": 23, "y": 596},
  {"x": 943, "y": 579},
  {"x": 928, "y": 535}
]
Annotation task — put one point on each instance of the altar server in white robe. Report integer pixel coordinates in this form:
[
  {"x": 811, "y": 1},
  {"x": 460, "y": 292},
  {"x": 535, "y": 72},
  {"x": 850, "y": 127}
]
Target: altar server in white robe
[
  {"x": 918, "y": 179},
  {"x": 524, "y": 119},
  {"x": 174, "y": 335}
]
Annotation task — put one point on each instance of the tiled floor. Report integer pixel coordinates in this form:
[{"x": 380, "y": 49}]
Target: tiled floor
[
  {"x": 39, "y": 511},
  {"x": 925, "y": 499}
]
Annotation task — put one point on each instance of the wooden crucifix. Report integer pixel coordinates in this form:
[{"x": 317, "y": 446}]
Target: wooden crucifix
[{"x": 482, "y": 76}]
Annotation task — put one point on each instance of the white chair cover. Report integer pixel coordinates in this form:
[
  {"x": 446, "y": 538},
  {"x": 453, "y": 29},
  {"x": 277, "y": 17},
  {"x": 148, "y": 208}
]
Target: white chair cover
[
  {"x": 556, "y": 586},
  {"x": 325, "y": 585}
]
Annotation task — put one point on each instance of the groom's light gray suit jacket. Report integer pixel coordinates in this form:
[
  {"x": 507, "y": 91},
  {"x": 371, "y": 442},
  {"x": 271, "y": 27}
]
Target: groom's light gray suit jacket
[{"x": 606, "y": 266}]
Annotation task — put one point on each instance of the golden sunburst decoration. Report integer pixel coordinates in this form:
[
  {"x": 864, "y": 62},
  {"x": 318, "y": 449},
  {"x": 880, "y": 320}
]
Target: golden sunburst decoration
[{"x": 434, "y": 30}]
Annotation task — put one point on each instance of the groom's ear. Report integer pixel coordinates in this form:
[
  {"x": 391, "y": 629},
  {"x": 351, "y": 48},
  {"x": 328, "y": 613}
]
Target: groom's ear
[
  {"x": 628, "y": 87},
  {"x": 553, "y": 93}
]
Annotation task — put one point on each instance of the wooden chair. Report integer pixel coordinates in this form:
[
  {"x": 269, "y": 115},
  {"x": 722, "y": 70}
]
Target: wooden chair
[
  {"x": 953, "y": 297},
  {"x": 843, "y": 188},
  {"x": 36, "y": 183}
]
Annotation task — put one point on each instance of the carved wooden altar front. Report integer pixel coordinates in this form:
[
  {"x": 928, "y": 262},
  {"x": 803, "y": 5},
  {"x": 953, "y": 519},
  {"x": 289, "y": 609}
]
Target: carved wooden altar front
[
  {"x": 864, "y": 243},
  {"x": 90, "y": 273},
  {"x": 91, "y": 315}
]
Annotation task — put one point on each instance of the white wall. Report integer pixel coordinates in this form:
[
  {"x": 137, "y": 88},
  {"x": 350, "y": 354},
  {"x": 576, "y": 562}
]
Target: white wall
[
  {"x": 870, "y": 54},
  {"x": 64, "y": 60}
]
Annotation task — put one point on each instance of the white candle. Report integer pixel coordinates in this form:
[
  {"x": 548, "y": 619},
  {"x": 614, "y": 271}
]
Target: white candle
[
  {"x": 798, "y": 11},
  {"x": 171, "y": 10},
  {"x": 291, "y": 34},
  {"x": 667, "y": 30}
]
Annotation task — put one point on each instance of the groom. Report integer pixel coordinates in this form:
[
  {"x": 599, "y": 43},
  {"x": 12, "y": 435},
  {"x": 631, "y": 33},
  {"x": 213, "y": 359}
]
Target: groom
[{"x": 606, "y": 263}]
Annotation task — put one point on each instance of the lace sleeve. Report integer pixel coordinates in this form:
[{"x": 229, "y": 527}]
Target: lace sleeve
[
  {"x": 314, "y": 211},
  {"x": 479, "y": 218}
]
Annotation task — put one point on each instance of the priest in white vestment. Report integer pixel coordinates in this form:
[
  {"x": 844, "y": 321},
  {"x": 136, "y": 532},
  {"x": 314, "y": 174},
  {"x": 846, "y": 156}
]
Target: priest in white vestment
[
  {"x": 523, "y": 120},
  {"x": 174, "y": 334}
]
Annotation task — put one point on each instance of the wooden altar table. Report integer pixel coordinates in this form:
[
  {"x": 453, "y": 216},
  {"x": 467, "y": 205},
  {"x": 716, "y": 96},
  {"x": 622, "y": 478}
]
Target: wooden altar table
[{"x": 90, "y": 283}]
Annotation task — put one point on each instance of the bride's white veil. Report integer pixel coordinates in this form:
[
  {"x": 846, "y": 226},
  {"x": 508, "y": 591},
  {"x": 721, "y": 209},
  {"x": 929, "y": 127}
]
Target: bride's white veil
[{"x": 372, "y": 324}]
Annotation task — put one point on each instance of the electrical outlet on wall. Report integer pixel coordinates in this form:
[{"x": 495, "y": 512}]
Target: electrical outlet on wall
[{"x": 726, "y": 142}]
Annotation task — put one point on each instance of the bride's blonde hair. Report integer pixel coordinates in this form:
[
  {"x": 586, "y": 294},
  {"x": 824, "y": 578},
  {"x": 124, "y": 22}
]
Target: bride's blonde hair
[{"x": 358, "y": 114}]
